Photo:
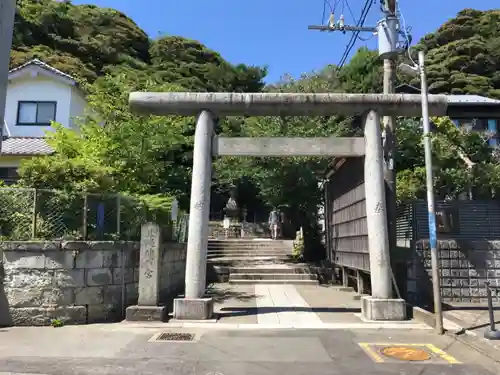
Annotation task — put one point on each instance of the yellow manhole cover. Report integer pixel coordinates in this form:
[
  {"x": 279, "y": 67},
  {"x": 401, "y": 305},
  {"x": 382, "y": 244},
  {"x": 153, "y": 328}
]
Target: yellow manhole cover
[{"x": 406, "y": 353}]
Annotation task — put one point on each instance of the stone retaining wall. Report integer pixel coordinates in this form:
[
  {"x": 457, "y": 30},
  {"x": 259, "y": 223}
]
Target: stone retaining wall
[
  {"x": 75, "y": 282},
  {"x": 465, "y": 267},
  {"x": 79, "y": 282}
]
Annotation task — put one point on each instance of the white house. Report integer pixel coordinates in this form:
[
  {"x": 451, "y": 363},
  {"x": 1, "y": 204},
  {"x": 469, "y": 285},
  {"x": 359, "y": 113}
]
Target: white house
[{"x": 37, "y": 94}]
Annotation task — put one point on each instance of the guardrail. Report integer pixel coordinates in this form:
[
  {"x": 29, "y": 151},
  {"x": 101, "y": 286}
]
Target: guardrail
[{"x": 491, "y": 333}]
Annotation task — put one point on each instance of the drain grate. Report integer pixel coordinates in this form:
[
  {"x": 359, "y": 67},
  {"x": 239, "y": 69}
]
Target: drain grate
[{"x": 174, "y": 336}]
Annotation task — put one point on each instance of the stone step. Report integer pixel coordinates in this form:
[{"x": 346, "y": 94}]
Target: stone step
[
  {"x": 247, "y": 246},
  {"x": 250, "y": 247},
  {"x": 272, "y": 269},
  {"x": 264, "y": 249},
  {"x": 250, "y": 244},
  {"x": 236, "y": 246},
  {"x": 249, "y": 255},
  {"x": 272, "y": 276},
  {"x": 289, "y": 282},
  {"x": 250, "y": 251},
  {"x": 249, "y": 260},
  {"x": 243, "y": 240}
]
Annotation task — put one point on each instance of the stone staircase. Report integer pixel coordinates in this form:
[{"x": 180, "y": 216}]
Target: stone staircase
[
  {"x": 238, "y": 230},
  {"x": 272, "y": 274},
  {"x": 257, "y": 261},
  {"x": 249, "y": 248}
]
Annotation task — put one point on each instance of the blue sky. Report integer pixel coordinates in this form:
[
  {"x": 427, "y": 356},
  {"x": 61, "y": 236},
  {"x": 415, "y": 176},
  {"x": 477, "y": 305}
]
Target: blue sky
[{"x": 274, "y": 33}]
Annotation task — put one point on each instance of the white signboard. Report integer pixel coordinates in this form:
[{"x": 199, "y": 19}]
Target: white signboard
[{"x": 227, "y": 223}]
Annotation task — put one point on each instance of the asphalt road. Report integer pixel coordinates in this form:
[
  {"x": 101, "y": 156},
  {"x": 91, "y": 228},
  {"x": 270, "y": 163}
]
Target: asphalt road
[{"x": 115, "y": 350}]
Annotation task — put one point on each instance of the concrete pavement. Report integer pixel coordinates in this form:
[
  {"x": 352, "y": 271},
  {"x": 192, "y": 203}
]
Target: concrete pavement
[
  {"x": 252, "y": 336},
  {"x": 291, "y": 306},
  {"x": 124, "y": 349}
]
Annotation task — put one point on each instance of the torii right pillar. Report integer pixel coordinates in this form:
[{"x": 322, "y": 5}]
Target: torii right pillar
[{"x": 380, "y": 305}]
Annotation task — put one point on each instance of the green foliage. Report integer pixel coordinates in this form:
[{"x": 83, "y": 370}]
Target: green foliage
[
  {"x": 463, "y": 162},
  {"x": 151, "y": 157},
  {"x": 298, "y": 246},
  {"x": 111, "y": 56},
  {"x": 363, "y": 74},
  {"x": 27, "y": 214},
  {"x": 197, "y": 68},
  {"x": 87, "y": 41},
  {"x": 463, "y": 55},
  {"x": 292, "y": 183},
  {"x": 56, "y": 323},
  {"x": 75, "y": 37}
]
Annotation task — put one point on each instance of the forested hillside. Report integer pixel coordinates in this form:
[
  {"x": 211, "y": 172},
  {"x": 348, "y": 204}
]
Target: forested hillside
[
  {"x": 88, "y": 41},
  {"x": 464, "y": 54}
]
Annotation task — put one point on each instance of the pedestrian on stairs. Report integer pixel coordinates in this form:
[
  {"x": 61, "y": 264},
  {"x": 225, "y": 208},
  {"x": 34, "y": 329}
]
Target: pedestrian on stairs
[{"x": 274, "y": 220}]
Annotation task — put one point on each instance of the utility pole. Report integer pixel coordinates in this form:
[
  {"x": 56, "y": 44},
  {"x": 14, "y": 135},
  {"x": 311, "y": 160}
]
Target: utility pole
[
  {"x": 7, "y": 13},
  {"x": 387, "y": 31},
  {"x": 436, "y": 281},
  {"x": 415, "y": 70}
]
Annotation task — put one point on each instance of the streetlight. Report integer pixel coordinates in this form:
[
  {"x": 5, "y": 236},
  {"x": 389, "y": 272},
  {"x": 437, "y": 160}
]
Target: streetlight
[{"x": 414, "y": 70}]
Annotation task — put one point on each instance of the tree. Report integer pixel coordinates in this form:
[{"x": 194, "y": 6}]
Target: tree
[
  {"x": 111, "y": 56},
  {"x": 292, "y": 183},
  {"x": 116, "y": 151},
  {"x": 88, "y": 42},
  {"x": 463, "y": 55},
  {"x": 463, "y": 162}
]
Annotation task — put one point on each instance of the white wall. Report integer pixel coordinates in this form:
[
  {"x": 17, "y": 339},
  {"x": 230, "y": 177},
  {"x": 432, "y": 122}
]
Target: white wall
[
  {"x": 77, "y": 106},
  {"x": 70, "y": 102}
]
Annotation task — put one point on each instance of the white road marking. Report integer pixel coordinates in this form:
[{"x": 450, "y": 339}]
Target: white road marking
[{"x": 286, "y": 297}]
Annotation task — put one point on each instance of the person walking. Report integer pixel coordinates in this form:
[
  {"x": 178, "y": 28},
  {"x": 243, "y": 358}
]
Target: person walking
[{"x": 274, "y": 219}]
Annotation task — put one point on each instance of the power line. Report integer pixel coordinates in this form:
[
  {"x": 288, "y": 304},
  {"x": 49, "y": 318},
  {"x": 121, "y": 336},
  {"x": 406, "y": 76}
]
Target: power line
[{"x": 354, "y": 36}]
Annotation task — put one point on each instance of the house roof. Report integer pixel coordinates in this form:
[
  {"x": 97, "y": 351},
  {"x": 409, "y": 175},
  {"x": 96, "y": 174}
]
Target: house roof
[
  {"x": 13, "y": 73},
  {"x": 28, "y": 146},
  {"x": 472, "y": 100},
  {"x": 453, "y": 100}
]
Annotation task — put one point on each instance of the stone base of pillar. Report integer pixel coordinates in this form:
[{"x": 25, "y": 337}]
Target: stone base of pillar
[
  {"x": 193, "y": 308},
  {"x": 383, "y": 309},
  {"x": 146, "y": 313}
]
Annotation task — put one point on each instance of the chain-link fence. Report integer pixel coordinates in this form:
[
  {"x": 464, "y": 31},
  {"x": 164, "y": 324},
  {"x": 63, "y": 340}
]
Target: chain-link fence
[{"x": 58, "y": 215}]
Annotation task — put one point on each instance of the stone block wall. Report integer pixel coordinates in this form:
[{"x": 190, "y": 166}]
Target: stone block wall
[
  {"x": 75, "y": 282},
  {"x": 465, "y": 267},
  {"x": 172, "y": 270}
]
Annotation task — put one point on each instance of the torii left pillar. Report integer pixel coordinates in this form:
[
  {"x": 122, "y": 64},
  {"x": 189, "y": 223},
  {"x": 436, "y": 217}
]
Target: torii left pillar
[{"x": 194, "y": 305}]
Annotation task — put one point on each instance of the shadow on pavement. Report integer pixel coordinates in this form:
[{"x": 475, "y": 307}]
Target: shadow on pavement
[
  {"x": 246, "y": 311},
  {"x": 222, "y": 294}
]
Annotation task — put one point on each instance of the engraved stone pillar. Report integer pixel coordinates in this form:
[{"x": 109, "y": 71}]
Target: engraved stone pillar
[
  {"x": 194, "y": 306},
  {"x": 380, "y": 305},
  {"x": 149, "y": 277}
]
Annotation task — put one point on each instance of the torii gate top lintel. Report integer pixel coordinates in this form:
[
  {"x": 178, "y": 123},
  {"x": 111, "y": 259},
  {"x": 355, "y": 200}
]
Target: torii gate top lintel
[{"x": 283, "y": 104}]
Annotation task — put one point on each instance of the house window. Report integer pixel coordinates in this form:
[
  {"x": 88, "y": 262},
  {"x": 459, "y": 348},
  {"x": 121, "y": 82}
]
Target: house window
[
  {"x": 472, "y": 124},
  {"x": 8, "y": 175},
  {"x": 36, "y": 113}
]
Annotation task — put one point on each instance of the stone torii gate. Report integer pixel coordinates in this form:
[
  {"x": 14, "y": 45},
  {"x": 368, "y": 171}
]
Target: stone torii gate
[{"x": 208, "y": 106}]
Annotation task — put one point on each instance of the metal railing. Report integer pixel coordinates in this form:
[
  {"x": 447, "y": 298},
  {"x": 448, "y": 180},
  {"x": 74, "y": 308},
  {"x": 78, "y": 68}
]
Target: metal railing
[{"x": 29, "y": 214}]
